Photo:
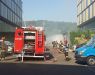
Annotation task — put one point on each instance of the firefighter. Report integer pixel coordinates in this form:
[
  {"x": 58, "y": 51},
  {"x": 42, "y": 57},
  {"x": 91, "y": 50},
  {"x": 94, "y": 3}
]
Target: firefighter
[
  {"x": 56, "y": 44},
  {"x": 3, "y": 51},
  {"x": 66, "y": 50},
  {"x": 67, "y": 58},
  {"x": 61, "y": 46},
  {"x": 53, "y": 43}
]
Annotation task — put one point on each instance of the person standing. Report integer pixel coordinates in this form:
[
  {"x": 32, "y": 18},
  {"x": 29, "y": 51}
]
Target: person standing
[
  {"x": 74, "y": 48},
  {"x": 53, "y": 44},
  {"x": 56, "y": 44},
  {"x": 61, "y": 46},
  {"x": 66, "y": 48},
  {"x": 3, "y": 51},
  {"x": 65, "y": 42}
]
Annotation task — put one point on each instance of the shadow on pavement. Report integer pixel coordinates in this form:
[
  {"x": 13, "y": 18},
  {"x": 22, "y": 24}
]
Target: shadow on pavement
[
  {"x": 81, "y": 62},
  {"x": 48, "y": 55},
  {"x": 44, "y": 69}
]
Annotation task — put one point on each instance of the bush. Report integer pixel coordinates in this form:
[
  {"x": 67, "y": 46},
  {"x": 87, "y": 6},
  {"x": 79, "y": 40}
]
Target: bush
[{"x": 86, "y": 34}]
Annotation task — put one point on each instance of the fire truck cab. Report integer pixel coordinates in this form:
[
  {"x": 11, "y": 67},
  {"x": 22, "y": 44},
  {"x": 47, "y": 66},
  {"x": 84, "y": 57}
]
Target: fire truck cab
[{"x": 29, "y": 42}]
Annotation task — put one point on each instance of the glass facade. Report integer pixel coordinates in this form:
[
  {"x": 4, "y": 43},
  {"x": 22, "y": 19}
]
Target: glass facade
[
  {"x": 11, "y": 12},
  {"x": 85, "y": 10}
]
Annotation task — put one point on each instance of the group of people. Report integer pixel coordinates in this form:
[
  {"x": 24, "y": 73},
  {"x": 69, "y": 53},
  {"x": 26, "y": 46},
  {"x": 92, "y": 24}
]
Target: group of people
[
  {"x": 63, "y": 46},
  {"x": 55, "y": 44}
]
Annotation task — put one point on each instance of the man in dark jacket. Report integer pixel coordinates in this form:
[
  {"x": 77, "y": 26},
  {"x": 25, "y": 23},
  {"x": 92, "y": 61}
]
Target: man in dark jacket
[{"x": 3, "y": 49}]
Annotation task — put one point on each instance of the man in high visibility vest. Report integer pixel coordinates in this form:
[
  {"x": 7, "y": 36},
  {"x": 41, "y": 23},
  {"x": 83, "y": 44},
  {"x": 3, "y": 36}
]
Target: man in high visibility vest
[{"x": 66, "y": 48}]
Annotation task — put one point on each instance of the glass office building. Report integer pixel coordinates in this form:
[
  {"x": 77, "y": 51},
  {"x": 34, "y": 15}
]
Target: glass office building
[
  {"x": 10, "y": 15},
  {"x": 86, "y": 13}
]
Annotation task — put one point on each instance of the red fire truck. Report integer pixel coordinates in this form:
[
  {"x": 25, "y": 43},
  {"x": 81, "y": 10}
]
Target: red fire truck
[{"x": 29, "y": 42}]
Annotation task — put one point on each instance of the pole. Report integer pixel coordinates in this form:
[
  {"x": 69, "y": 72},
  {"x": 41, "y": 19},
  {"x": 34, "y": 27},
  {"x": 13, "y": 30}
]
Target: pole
[
  {"x": 25, "y": 24},
  {"x": 22, "y": 56},
  {"x": 43, "y": 25}
]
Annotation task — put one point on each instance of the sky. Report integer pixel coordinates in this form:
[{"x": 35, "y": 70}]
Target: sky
[{"x": 52, "y": 10}]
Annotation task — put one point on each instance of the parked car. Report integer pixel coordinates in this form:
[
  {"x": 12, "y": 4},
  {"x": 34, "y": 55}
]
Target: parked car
[
  {"x": 80, "y": 45},
  {"x": 9, "y": 47}
]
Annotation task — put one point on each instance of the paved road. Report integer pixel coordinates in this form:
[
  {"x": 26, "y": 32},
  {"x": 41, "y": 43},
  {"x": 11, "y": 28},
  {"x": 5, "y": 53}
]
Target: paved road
[
  {"x": 44, "y": 69},
  {"x": 54, "y": 58}
]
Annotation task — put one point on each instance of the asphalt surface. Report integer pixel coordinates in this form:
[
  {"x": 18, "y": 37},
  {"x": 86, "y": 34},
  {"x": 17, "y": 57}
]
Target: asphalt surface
[
  {"x": 44, "y": 69},
  {"x": 11, "y": 66}
]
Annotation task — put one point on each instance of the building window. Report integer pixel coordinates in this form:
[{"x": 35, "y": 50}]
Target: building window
[
  {"x": 0, "y": 8},
  {"x": 94, "y": 9},
  {"x": 11, "y": 15},
  {"x": 13, "y": 6},
  {"x": 86, "y": 3},
  {"x": 80, "y": 8},
  {"x": 79, "y": 20},
  {"x": 89, "y": 2},
  {"x": 9, "y": 3},
  {"x": 91, "y": 11},
  {"x": 86, "y": 14},
  {"x": 4, "y": 1},
  {"x": 3, "y": 11},
  {"x": 82, "y": 5},
  {"x": 83, "y": 16},
  {"x": 13, "y": 18},
  {"x": 78, "y": 1},
  {"x": 11, "y": 10}
]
